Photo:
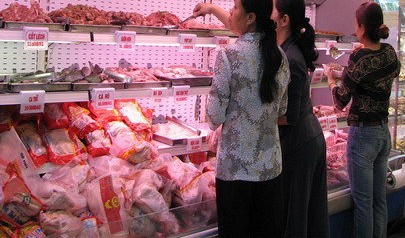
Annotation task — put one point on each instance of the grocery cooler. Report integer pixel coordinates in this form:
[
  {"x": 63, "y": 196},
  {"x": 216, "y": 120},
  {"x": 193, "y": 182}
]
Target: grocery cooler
[{"x": 114, "y": 76}]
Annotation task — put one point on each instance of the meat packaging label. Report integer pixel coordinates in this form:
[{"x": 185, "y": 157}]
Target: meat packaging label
[{"x": 111, "y": 205}]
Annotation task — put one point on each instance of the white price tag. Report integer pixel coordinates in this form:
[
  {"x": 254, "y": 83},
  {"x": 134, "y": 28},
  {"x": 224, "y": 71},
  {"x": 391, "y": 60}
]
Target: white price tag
[
  {"x": 32, "y": 101},
  {"x": 36, "y": 38},
  {"x": 194, "y": 144},
  {"x": 317, "y": 76},
  {"x": 221, "y": 41},
  {"x": 103, "y": 98},
  {"x": 187, "y": 42},
  {"x": 329, "y": 44},
  {"x": 180, "y": 93},
  {"x": 125, "y": 40},
  {"x": 356, "y": 45},
  {"x": 332, "y": 122},
  {"x": 324, "y": 123},
  {"x": 158, "y": 94}
]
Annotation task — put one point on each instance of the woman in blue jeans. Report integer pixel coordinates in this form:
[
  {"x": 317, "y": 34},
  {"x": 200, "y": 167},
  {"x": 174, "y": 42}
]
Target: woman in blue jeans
[{"x": 367, "y": 81}]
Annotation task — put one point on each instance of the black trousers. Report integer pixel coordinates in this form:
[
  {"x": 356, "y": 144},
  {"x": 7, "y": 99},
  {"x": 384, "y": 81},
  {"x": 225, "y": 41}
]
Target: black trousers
[
  {"x": 305, "y": 191},
  {"x": 250, "y": 209}
]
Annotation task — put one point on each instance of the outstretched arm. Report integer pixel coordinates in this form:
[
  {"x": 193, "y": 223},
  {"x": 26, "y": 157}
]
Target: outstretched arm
[{"x": 202, "y": 9}]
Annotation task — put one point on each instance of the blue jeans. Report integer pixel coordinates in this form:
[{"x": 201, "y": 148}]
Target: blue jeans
[{"x": 368, "y": 149}]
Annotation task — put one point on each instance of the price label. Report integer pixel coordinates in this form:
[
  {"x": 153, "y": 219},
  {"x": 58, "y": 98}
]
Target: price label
[
  {"x": 158, "y": 94},
  {"x": 36, "y": 38},
  {"x": 324, "y": 123},
  {"x": 194, "y": 144},
  {"x": 317, "y": 76},
  {"x": 332, "y": 122},
  {"x": 356, "y": 45},
  {"x": 32, "y": 101},
  {"x": 329, "y": 44},
  {"x": 125, "y": 40},
  {"x": 221, "y": 41},
  {"x": 187, "y": 42},
  {"x": 181, "y": 93},
  {"x": 103, "y": 98}
]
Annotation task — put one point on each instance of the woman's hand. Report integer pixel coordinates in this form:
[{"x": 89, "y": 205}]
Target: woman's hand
[
  {"x": 202, "y": 9},
  {"x": 331, "y": 81}
]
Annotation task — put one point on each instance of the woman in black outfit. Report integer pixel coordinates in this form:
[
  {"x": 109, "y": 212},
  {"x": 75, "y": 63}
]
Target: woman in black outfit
[{"x": 302, "y": 141}]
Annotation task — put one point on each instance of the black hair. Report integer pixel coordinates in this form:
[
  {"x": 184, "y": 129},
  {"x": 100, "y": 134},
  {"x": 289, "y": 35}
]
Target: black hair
[
  {"x": 301, "y": 30},
  {"x": 370, "y": 15},
  {"x": 268, "y": 45}
]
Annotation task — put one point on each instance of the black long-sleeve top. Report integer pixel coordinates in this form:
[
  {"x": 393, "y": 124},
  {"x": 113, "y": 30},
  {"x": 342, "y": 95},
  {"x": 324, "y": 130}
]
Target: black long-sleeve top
[
  {"x": 303, "y": 125},
  {"x": 368, "y": 80}
]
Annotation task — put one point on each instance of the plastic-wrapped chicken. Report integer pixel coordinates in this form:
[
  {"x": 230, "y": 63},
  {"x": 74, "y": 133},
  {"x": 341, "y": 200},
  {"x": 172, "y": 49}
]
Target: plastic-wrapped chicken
[
  {"x": 61, "y": 149},
  {"x": 176, "y": 170},
  {"x": 20, "y": 205},
  {"x": 110, "y": 165},
  {"x": 194, "y": 199},
  {"x": 60, "y": 223},
  {"x": 33, "y": 142},
  {"x": 55, "y": 117},
  {"x": 136, "y": 117},
  {"x": 98, "y": 143},
  {"x": 56, "y": 197},
  {"x": 125, "y": 144},
  {"x": 80, "y": 120}
]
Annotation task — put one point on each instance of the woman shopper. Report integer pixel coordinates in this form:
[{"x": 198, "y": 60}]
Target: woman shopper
[
  {"x": 248, "y": 94},
  {"x": 367, "y": 81},
  {"x": 302, "y": 140}
]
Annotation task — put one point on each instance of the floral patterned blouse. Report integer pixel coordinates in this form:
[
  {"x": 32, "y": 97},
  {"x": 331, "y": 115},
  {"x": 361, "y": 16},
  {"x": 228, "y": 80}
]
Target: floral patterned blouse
[{"x": 249, "y": 147}]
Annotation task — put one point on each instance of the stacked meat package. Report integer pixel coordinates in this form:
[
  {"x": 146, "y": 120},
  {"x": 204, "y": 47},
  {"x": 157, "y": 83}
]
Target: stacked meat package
[{"x": 74, "y": 171}]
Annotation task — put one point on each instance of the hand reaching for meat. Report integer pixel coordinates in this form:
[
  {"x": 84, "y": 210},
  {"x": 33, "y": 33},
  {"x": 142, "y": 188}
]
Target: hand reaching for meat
[{"x": 202, "y": 9}]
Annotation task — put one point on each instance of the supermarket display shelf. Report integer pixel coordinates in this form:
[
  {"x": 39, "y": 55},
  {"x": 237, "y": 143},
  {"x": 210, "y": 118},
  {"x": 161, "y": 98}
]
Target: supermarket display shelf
[
  {"x": 141, "y": 39},
  {"x": 107, "y": 38},
  {"x": 176, "y": 149},
  {"x": 79, "y": 96}
]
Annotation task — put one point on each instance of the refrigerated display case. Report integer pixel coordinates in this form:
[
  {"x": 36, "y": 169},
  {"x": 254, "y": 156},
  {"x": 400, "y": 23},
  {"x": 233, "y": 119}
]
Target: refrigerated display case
[{"x": 158, "y": 47}]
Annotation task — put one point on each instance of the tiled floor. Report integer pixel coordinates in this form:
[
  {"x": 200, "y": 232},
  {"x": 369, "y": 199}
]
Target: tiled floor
[{"x": 397, "y": 230}]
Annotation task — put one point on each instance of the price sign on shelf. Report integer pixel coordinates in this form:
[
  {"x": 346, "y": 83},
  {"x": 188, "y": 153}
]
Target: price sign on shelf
[
  {"x": 324, "y": 123},
  {"x": 221, "y": 41},
  {"x": 32, "y": 101},
  {"x": 125, "y": 40},
  {"x": 317, "y": 76},
  {"x": 103, "y": 98},
  {"x": 158, "y": 94},
  {"x": 194, "y": 144},
  {"x": 180, "y": 93},
  {"x": 187, "y": 42},
  {"x": 36, "y": 38},
  {"x": 332, "y": 122}
]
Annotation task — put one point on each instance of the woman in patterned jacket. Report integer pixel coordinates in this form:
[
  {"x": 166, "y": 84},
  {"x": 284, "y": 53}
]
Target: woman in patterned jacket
[{"x": 248, "y": 95}]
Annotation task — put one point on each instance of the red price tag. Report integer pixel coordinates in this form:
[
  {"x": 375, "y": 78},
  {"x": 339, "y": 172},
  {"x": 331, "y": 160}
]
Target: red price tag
[
  {"x": 187, "y": 42},
  {"x": 332, "y": 122},
  {"x": 125, "y": 40},
  {"x": 317, "y": 76},
  {"x": 36, "y": 38},
  {"x": 221, "y": 41},
  {"x": 103, "y": 98},
  {"x": 181, "y": 93},
  {"x": 111, "y": 204},
  {"x": 324, "y": 123},
  {"x": 32, "y": 101},
  {"x": 194, "y": 144}
]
